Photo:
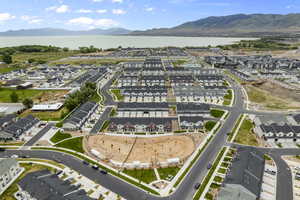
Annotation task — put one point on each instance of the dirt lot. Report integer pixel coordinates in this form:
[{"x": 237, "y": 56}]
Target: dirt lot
[
  {"x": 270, "y": 95},
  {"x": 50, "y": 96},
  {"x": 155, "y": 149}
]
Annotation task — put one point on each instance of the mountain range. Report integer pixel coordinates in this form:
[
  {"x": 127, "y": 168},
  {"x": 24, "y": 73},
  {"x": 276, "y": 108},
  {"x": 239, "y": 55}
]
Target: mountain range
[
  {"x": 63, "y": 32},
  {"x": 242, "y": 25},
  {"x": 233, "y": 25}
]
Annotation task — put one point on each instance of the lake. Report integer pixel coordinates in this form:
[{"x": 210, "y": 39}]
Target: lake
[{"x": 101, "y": 41}]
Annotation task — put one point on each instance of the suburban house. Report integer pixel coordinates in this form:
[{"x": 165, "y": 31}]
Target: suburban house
[
  {"x": 141, "y": 125},
  {"x": 78, "y": 118},
  {"x": 15, "y": 129},
  {"x": 244, "y": 178},
  {"x": 278, "y": 132},
  {"x": 9, "y": 171},
  {"x": 191, "y": 122},
  {"x": 193, "y": 109},
  {"x": 153, "y": 109}
]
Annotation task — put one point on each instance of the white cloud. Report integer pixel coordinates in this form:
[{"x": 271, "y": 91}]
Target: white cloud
[
  {"x": 97, "y": 1},
  {"x": 118, "y": 12},
  {"x": 31, "y": 19},
  {"x": 149, "y": 9},
  {"x": 101, "y": 11},
  {"x": 6, "y": 17},
  {"x": 35, "y": 21},
  {"x": 86, "y": 21},
  {"x": 84, "y": 11},
  {"x": 117, "y": 1},
  {"x": 59, "y": 9}
]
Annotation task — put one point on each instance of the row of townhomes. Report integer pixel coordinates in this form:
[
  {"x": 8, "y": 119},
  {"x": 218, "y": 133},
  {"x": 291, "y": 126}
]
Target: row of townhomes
[
  {"x": 278, "y": 128},
  {"x": 251, "y": 68},
  {"x": 159, "y": 81}
]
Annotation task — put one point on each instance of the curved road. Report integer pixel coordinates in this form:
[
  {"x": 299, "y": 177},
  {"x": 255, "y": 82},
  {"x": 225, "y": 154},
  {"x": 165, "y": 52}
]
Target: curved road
[{"x": 185, "y": 190}]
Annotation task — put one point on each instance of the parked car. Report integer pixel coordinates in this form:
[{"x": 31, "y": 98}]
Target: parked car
[
  {"x": 197, "y": 186},
  {"x": 103, "y": 172},
  {"x": 95, "y": 166},
  {"x": 209, "y": 166},
  {"x": 85, "y": 162}
]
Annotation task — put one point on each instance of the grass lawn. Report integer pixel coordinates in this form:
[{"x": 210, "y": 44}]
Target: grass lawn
[
  {"x": 259, "y": 96},
  {"x": 245, "y": 134},
  {"x": 47, "y": 115},
  {"x": 165, "y": 172},
  {"x": 94, "y": 61},
  {"x": 209, "y": 125},
  {"x": 6, "y": 69},
  {"x": 228, "y": 95},
  {"x": 113, "y": 113},
  {"x": 145, "y": 175},
  {"x": 117, "y": 94},
  {"x": 177, "y": 63},
  {"x": 226, "y": 102},
  {"x": 11, "y": 143},
  {"x": 105, "y": 125},
  {"x": 59, "y": 136},
  {"x": 73, "y": 144},
  {"x": 217, "y": 113},
  {"x": 23, "y": 94},
  {"x": 41, "y": 56},
  {"x": 9, "y": 193},
  {"x": 234, "y": 77}
]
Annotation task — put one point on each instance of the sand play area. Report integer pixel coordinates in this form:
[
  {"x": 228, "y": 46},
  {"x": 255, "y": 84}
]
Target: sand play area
[{"x": 146, "y": 150}]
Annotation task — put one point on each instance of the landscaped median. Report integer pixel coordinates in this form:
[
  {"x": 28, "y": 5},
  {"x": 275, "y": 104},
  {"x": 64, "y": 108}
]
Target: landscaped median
[
  {"x": 180, "y": 178},
  {"x": 228, "y": 98},
  {"x": 59, "y": 136},
  {"x": 209, "y": 175},
  {"x": 117, "y": 94},
  {"x": 109, "y": 170},
  {"x": 237, "y": 124}
]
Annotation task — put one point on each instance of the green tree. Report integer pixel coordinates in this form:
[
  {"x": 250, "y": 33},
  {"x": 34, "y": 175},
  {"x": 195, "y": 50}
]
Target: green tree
[
  {"x": 14, "y": 97},
  {"x": 7, "y": 58},
  {"x": 28, "y": 103}
]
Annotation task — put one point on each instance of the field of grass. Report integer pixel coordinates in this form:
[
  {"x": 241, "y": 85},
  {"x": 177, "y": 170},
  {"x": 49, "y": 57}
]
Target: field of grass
[
  {"x": 245, "y": 135},
  {"x": 165, "y": 172},
  {"x": 8, "y": 194},
  {"x": 263, "y": 98},
  {"x": 209, "y": 125},
  {"x": 5, "y": 68},
  {"x": 41, "y": 56},
  {"x": 217, "y": 113},
  {"x": 59, "y": 136},
  {"x": 73, "y": 144},
  {"x": 47, "y": 115},
  {"x": 145, "y": 175},
  {"x": 117, "y": 94},
  {"x": 23, "y": 94},
  {"x": 93, "y": 61}
]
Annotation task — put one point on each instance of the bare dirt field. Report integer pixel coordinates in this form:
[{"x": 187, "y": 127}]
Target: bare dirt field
[
  {"x": 52, "y": 96},
  {"x": 270, "y": 95},
  {"x": 146, "y": 150}
]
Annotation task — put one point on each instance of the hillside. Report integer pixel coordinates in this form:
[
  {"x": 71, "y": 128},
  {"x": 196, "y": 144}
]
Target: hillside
[{"x": 234, "y": 25}]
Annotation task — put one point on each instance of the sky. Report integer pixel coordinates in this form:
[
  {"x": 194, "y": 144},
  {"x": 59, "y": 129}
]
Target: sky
[{"x": 130, "y": 14}]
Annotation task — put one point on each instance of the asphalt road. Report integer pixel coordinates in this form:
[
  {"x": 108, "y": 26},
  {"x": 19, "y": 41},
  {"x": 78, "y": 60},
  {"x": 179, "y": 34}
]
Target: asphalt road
[
  {"x": 196, "y": 174},
  {"x": 38, "y": 136},
  {"x": 101, "y": 120}
]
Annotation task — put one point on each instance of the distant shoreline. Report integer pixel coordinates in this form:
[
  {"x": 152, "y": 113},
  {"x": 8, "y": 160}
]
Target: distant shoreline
[{"x": 107, "y": 41}]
